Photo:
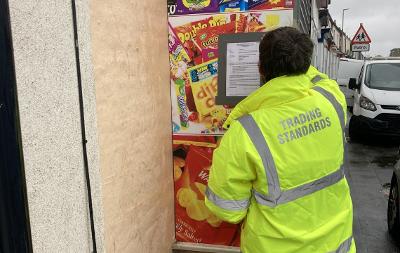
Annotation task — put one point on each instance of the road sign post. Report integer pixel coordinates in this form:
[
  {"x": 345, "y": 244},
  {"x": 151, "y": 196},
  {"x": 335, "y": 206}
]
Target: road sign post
[
  {"x": 360, "y": 47},
  {"x": 361, "y": 40}
]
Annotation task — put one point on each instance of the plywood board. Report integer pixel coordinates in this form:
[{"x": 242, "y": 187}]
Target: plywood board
[{"x": 131, "y": 67}]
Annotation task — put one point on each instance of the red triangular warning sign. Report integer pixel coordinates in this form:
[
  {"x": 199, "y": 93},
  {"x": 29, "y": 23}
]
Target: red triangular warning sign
[{"x": 361, "y": 36}]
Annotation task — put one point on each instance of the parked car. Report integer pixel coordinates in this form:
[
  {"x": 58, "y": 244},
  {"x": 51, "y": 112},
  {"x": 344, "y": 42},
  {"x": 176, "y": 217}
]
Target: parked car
[
  {"x": 393, "y": 214},
  {"x": 348, "y": 68},
  {"x": 376, "y": 107}
]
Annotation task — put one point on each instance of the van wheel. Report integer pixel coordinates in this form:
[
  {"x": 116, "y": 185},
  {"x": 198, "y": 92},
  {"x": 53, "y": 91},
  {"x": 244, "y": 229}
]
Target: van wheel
[
  {"x": 354, "y": 129},
  {"x": 393, "y": 219}
]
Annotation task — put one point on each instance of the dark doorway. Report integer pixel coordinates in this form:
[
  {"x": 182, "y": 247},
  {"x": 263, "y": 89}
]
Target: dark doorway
[{"x": 14, "y": 222}]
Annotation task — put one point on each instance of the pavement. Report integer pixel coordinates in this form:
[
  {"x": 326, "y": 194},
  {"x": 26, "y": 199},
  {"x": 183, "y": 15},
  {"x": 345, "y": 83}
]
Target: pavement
[{"x": 369, "y": 165}]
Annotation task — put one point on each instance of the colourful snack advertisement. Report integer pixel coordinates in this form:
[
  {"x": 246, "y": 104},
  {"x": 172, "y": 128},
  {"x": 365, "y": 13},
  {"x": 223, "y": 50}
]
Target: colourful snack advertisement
[
  {"x": 241, "y": 22},
  {"x": 203, "y": 81},
  {"x": 193, "y": 48},
  {"x": 254, "y": 23},
  {"x": 177, "y": 53},
  {"x": 263, "y": 21},
  {"x": 233, "y": 6},
  {"x": 254, "y": 3},
  {"x": 186, "y": 27},
  {"x": 269, "y": 4},
  {"x": 207, "y": 40},
  {"x": 187, "y": 32},
  {"x": 209, "y": 54},
  {"x": 196, "y": 119},
  {"x": 194, "y": 222},
  {"x": 182, "y": 106},
  {"x": 179, "y": 60},
  {"x": 196, "y": 6}
]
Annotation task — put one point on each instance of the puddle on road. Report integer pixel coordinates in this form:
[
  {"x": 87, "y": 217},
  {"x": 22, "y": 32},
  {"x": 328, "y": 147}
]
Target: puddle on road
[{"x": 385, "y": 161}]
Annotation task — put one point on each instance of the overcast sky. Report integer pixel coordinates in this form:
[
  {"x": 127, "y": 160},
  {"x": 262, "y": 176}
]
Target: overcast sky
[{"x": 381, "y": 19}]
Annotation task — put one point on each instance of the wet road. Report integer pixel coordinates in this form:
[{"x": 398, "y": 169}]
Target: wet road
[{"x": 369, "y": 170}]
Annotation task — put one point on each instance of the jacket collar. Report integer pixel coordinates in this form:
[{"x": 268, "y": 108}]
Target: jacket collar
[{"x": 277, "y": 91}]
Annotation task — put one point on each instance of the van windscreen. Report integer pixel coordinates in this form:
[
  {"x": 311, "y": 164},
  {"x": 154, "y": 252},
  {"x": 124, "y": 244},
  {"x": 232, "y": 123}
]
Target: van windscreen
[{"x": 383, "y": 76}]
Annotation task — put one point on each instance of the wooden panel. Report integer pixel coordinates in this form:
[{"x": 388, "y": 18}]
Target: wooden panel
[{"x": 133, "y": 104}]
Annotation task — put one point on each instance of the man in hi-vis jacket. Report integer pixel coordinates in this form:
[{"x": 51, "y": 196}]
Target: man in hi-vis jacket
[{"x": 279, "y": 167}]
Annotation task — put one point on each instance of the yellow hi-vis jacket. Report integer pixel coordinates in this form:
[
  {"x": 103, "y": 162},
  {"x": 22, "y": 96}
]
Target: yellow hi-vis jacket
[{"x": 280, "y": 168}]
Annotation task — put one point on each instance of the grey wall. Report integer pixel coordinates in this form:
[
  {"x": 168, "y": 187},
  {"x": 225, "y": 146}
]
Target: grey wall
[{"x": 50, "y": 123}]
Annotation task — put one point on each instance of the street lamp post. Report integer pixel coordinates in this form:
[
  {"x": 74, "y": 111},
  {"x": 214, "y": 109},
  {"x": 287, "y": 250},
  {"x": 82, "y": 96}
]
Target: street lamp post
[{"x": 343, "y": 38}]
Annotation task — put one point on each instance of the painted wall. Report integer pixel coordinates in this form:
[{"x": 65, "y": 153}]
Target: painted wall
[
  {"x": 134, "y": 118},
  {"x": 50, "y": 124}
]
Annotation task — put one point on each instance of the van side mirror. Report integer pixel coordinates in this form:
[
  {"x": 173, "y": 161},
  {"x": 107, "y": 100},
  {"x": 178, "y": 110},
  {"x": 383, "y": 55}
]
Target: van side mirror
[{"x": 353, "y": 84}]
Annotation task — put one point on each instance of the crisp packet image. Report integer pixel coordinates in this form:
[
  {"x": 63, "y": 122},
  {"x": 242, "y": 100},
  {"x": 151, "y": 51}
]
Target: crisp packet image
[{"x": 192, "y": 158}]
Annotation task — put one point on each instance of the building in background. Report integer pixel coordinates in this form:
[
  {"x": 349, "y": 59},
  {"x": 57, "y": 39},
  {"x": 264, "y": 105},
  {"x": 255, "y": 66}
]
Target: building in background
[{"x": 333, "y": 43}]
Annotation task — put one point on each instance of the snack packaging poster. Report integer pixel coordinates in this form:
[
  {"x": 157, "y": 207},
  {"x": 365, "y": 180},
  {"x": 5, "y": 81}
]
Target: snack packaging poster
[
  {"x": 193, "y": 45},
  {"x": 194, "y": 30},
  {"x": 187, "y": 27},
  {"x": 185, "y": 7},
  {"x": 269, "y": 4},
  {"x": 194, "y": 222}
]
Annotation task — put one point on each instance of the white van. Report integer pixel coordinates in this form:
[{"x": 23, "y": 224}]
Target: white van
[
  {"x": 348, "y": 68},
  {"x": 376, "y": 108}
]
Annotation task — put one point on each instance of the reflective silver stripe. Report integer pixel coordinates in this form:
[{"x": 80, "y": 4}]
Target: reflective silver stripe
[
  {"x": 231, "y": 205},
  {"x": 335, "y": 103},
  {"x": 302, "y": 190},
  {"x": 258, "y": 139},
  {"x": 345, "y": 246},
  {"x": 316, "y": 79},
  {"x": 331, "y": 98}
]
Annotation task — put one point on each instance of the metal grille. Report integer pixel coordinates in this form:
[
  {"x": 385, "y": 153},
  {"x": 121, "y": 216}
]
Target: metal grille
[{"x": 391, "y": 107}]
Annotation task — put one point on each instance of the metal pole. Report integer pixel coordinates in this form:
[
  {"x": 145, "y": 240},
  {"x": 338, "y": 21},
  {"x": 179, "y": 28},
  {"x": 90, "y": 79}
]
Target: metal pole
[{"x": 343, "y": 35}]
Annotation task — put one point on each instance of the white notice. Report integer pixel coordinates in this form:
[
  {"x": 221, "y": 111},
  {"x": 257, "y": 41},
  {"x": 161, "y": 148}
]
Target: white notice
[{"x": 242, "y": 76}]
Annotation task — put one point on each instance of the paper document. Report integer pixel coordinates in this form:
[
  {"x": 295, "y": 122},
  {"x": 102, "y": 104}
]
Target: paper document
[{"x": 242, "y": 76}]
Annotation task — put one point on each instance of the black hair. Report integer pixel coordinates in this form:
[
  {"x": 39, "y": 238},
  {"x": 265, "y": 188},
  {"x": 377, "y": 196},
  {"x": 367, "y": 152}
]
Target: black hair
[{"x": 285, "y": 51}]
